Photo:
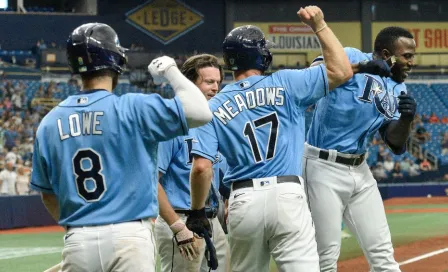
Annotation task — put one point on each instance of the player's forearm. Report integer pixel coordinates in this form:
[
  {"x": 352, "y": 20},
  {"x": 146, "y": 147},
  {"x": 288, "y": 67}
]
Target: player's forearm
[
  {"x": 397, "y": 135},
  {"x": 165, "y": 210},
  {"x": 194, "y": 103},
  {"x": 337, "y": 64},
  {"x": 200, "y": 181},
  {"x": 51, "y": 203}
]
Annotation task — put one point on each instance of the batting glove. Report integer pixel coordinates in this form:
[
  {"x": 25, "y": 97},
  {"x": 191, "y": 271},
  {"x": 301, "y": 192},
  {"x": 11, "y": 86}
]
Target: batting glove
[
  {"x": 185, "y": 240},
  {"x": 198, "y": 223},
  {"x": 406, "y": 106},
  {"x": 159, "y": 66},
  {"x": 375, "y": 67}
]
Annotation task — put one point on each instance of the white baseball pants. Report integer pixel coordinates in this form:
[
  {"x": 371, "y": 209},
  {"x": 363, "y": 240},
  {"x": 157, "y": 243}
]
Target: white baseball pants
[
  {"x": 271, "y": 220},
  {"x": 337, "y": 191},
  {"x": 119, "y": 247}
]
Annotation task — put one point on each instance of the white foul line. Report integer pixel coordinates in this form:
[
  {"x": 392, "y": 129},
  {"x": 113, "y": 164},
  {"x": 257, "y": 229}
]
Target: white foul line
[{"x": 427, "y": 255}]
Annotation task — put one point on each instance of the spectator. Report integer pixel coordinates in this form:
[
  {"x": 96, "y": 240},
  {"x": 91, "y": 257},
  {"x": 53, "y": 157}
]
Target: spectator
[
  {"x": 8, "y": 180},
  {"x": 433, "y": 119},
  {"x": 425, "y": 165},
  {"x": 7, "y": 105},
  {"x": 417, "y": 121},
  {"x": 10, "y": 136},
  {"x": 2, "y": 136},
  {"x": 425, "y": 118},
  {"x": 379, "y": 173},
  {"x": 422, "y": 135},
  {"x": 396, "y": 172},
  {"x": 16, "y": 100},
  {"x": 405, "y": 165},
  {"x": 414, "y": 169},
  {"x": 444, "y": 120},
  {"x": 382, "y": 153},
  {"x": 17, "y": 119},
  {"x": 444, "y": 144},
  {"x": 389, "y": 163},
  {"x": 22, "y": 181},
  {"x": 12, "y": 156}
]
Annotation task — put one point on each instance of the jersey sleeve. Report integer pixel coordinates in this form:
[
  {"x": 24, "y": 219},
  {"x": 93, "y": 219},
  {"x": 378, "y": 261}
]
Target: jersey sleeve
[
  {"x": 165, "y": 154},
  {"x": 354, "y": 55},
  {"x": 39, "y": 177},
  {"x": 160, "y": 119},
  {"x": 305, "y": 86},
  {"x": 206, "y": 142}
]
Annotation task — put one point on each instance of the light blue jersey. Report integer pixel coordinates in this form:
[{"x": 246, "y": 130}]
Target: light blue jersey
[
  {"x": 175, "y": 160},
  {"x": 259, "y": 123},
  {"x": 349, "y": 115},
  {"x": 97, "y": 153}
]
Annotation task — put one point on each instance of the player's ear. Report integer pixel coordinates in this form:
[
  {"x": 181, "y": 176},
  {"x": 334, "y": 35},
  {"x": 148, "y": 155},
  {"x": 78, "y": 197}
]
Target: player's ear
[{"x": 385, "y": 54}]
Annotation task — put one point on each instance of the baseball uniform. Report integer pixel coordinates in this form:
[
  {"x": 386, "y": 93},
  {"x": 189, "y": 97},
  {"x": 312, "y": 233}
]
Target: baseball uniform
[
  {"x": 254, "y": 122},
  {"x": 97, "y": 153},
  {"x": 339, "y": 183}
]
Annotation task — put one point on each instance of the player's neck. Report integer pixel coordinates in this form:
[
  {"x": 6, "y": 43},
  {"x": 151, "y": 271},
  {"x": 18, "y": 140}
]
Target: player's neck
[
  {"x": 240, "y": 75},
  {"x": 96, "y": 84}
]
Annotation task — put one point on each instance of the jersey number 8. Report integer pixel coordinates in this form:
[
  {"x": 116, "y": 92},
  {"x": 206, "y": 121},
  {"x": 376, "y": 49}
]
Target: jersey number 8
[{"x": 93, "y": 173}]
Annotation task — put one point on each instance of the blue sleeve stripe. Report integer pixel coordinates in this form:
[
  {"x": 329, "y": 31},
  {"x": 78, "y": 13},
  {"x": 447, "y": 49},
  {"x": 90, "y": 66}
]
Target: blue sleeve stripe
[
  {"x": 162, "y": 170},
  {"x": 202, "y": 154},
  {"x": 318, "y": 59},
  {"x": 40, "y": 188},
  {"x": 324, "y": 75},
  {"x": 182, "y": 116}
]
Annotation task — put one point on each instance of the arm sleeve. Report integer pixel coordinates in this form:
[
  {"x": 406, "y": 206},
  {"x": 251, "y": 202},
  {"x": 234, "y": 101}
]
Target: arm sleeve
[
  {"x": 39, "y": 177},
  {"x": 206, "y": 143},
  {"x": 160, "y": 119},
  {"x": 165, "y": 154},
  {"x": 305, "y": 86}
]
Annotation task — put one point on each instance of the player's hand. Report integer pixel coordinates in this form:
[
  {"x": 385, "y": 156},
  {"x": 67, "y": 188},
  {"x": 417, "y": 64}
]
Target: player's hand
[
  {"x": 406, "y": 106},
  {"x": 312, "y": 16},
  {"x": 198, "y": 223},
  {"x": 375, "y": 67},
  {"x": 159, "y": 66},
  {"x": 187, "y": 243}
]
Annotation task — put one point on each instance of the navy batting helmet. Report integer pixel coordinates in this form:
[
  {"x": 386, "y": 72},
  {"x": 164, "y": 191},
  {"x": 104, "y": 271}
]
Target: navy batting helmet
[
  {"x": 245, "y": 48},
  {"x": 94, "y": 46}
]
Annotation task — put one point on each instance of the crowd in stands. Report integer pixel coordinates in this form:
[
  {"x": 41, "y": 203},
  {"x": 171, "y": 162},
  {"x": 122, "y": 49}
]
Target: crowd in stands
[
  {"x": 18, "y": 124},
  {"x": 385, "y": 167}
]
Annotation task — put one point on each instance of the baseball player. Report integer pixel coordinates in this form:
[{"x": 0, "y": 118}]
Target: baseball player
[
  {"x": 95, "y": 155},
  {"x": 174, "y": 162},
  {"x": 254, "y": 120},
  {"x": 339, "y": 183}
]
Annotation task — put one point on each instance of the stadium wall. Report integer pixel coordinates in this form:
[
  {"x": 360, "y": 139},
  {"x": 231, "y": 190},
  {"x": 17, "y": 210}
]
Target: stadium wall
[{"x": 23, "y": 211}]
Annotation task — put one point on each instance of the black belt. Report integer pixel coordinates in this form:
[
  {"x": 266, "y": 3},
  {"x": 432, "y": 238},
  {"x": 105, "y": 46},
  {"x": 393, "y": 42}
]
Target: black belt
[
  {"x": 247, "y": 183},
  {"x": 347, "y": 161},
  {"x": 210, "y": 213}
]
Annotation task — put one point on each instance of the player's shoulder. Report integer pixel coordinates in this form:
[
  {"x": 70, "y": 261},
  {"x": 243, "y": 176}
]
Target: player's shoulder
[
  {"x": 355, "y": 55},
  {"x": 397, "y": 87}
]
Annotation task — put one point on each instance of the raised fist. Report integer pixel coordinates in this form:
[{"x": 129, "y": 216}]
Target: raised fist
[
  {"x": 159, "y": 66},
  {"x": 312, "y": 16}
]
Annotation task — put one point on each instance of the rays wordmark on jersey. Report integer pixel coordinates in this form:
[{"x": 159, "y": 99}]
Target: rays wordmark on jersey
[{"x": 385, "y": 102}]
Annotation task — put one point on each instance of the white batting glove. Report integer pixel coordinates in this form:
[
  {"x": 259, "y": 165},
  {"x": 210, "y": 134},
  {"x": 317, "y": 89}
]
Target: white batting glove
[
  {"x": 185, "y": 239},
  {"x": 159, "y": 66}
]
